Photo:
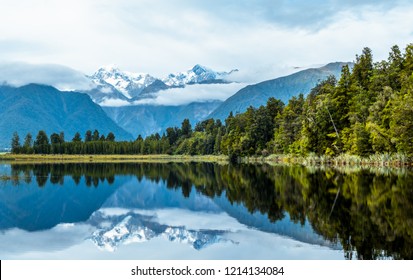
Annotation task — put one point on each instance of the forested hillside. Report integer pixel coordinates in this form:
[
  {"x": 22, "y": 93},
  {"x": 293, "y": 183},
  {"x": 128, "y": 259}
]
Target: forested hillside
[{"x": 369, "y": 110}]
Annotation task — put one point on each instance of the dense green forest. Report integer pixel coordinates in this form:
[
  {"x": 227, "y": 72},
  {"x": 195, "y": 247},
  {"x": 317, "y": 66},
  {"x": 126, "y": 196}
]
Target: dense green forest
[{"x": 369, "y": 110}]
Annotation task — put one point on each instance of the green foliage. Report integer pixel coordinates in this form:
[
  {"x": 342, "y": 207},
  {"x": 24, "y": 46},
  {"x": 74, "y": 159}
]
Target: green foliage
[
  {"x": 110, "y": 137},
  {"x": 41, "y": 144},
  {"x": 15, "y": 143},
  {"x": 369, "y": 110},
  {"x": 27, "y": 145}
]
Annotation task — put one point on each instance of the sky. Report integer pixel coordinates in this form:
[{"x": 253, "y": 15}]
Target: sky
[
  {"x": 262, "y": 37},
  {"x": 57, "y": 42}
]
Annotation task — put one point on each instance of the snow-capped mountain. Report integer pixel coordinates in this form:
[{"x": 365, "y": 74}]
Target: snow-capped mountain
[
  {"x": 197, "y": 75},
  {"x": 117, "y": 229},
  {"x": 113, "y": 83},
  {"x": 128, "y": 83}
]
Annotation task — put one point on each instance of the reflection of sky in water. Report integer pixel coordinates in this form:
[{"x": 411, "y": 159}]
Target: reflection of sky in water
[
  {"x": 146, "y": 220},
  {"x": 72, "y": 241}
]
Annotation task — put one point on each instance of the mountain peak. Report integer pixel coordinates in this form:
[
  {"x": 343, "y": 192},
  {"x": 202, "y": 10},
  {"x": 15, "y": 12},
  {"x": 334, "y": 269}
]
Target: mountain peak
[
  {"x": 199, "y": 69},
  {"x": 196, "y": 75},
  {"x": 128, "y": 83},
  {"x": 114, "y": 83}
]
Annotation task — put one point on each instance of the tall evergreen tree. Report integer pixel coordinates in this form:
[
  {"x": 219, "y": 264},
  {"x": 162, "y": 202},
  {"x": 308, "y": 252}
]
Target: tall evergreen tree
[
  {"x": 77, "y": 137},
  {"x": 186, "y": 128},
  {"x": 110, "y": 137},
  {"x": 41, "y": 144},
  {"x": 88, "y": 136},
  {"x": 15, "y": 143},
  {"x": 95, "y": 136},
  {"x": 28, "y": 144}
]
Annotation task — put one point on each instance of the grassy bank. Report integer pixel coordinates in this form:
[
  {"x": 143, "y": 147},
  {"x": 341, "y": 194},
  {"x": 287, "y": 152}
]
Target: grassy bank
[
  {"x": 395, "y": 160},
  {"x": 18, "y": 158}
]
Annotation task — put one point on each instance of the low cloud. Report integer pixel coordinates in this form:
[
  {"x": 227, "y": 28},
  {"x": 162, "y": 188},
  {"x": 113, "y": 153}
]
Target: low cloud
[
  {"x": 110, "y": 102},
  {"x": 61, "y": 77},
  {"x": 17, "y": 241},
  {"x": 192, "y": 93}
]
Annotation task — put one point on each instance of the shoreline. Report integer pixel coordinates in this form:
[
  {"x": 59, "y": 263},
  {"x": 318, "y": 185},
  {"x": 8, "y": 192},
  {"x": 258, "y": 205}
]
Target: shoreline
[
  {"x": 383, "y": 160},
  {"x": 163, "y": 158}
]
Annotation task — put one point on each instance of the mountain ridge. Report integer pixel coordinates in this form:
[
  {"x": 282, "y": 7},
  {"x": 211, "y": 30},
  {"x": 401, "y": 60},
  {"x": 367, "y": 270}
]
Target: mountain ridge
[
  {"x": 35, "y": 107},
  {"x": 113, "y": 83},
  {"x": 282, "y": 88}
]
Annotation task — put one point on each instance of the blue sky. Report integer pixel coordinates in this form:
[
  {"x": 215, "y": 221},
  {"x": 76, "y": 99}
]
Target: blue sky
[{"x": 262, "y": 38}]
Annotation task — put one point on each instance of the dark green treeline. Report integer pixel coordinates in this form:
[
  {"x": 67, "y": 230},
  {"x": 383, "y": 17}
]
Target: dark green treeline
[
  {"x": 368, "y": 211},
  {"x": 369, "y": 110}
]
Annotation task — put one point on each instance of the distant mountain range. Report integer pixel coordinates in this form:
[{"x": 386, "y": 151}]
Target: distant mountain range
[
  {"x": 33, "y": 107},
  {"x": 36, "y": 107},
  {"x": 115, "y": 84},
  {"x": 282, "y": 88},
  {"x": 148, "y": 119}
]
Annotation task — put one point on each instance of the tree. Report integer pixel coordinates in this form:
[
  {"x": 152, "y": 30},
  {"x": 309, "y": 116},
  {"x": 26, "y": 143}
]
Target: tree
[
  {"x": 15, "y": 143},
  {"x": 41, "y": 144},
  {"x": 186, "y": 128},
  {"x": 62, "y": 137},
  {"x": 274, "y": 106},
  {"x": 172, "y": 134},
  {"x": 110, "y": 137},
  {"x": 95, "y": 136},
  {"x": 395, "y": 66},
  {"x": 77, "y": 137},
  {"x": 363, "y": 68},
  {"x": 88, "y": 136},
  {"x": 401, "y": 121},
  {"x": 289, "y": 124},
  {"x": 28, "y": 143},
  {"x": 54, "y": 138},
  {"x": 55, "y": 143},
  {"x": 316, "y": 123}
]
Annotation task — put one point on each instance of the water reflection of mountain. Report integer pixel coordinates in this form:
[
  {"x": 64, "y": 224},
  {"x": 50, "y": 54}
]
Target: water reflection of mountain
[
  {"x": 369, "y": 212},
  {"x": 114, "y": 230},
  {"x": 151, "y": 195},
  {"x": 32, "y": 208}
]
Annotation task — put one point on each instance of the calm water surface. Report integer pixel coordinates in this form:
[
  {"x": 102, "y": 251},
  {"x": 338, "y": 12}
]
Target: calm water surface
[{"x": 203, "y": 211}]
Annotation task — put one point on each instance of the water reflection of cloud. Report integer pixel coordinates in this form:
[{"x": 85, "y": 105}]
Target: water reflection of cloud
[
  {"x": 70, "y": 241},
  {"x": 62, "y": 236}
]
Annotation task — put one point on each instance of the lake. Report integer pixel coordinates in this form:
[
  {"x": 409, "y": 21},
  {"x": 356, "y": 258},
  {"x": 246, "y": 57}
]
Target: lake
[{"x": 204, "y": 211}]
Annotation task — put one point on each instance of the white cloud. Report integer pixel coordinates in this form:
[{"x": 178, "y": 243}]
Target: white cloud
[
  {"x": 61, "y": 77},
  {"x": 193, "y": 93},
  {"x": 265, "y": 38},
  {"x": 110, "y": 102}
]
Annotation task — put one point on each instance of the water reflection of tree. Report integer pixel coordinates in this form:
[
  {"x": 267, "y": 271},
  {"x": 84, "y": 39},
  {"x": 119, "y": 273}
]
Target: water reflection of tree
[
  {"x": 93, "y": 174},
  {"x": 370, "y": 212}
]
